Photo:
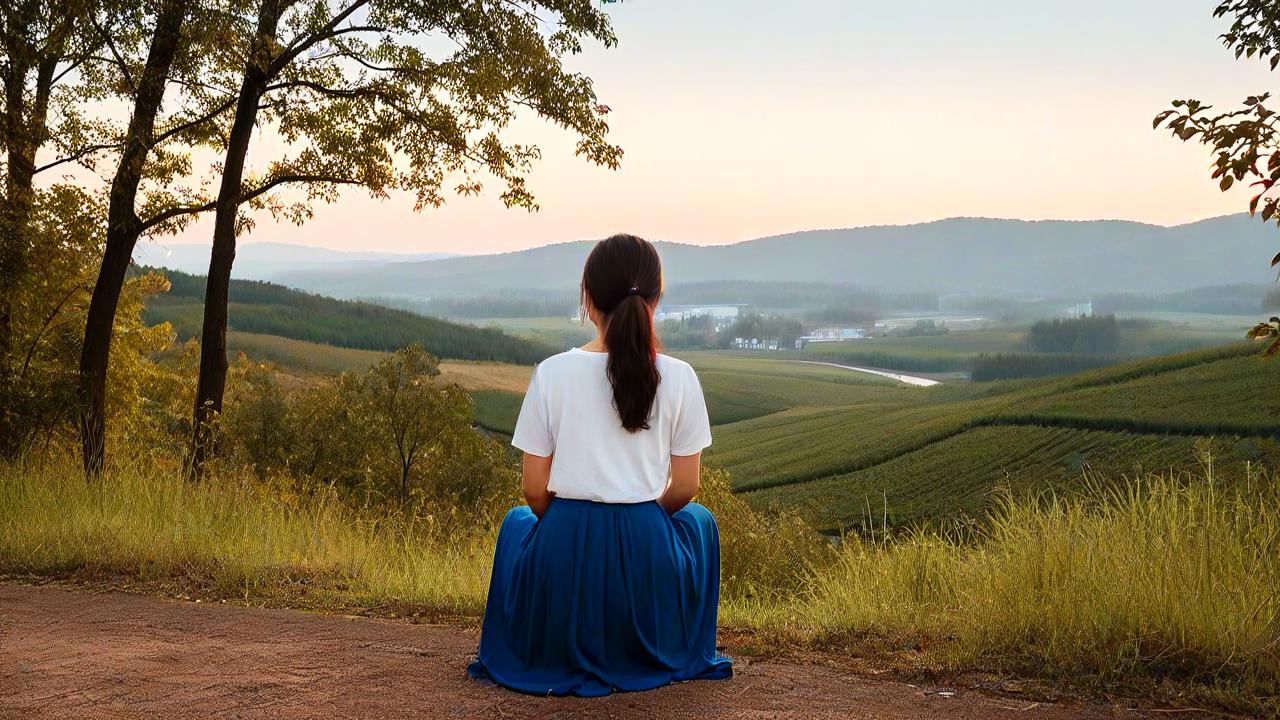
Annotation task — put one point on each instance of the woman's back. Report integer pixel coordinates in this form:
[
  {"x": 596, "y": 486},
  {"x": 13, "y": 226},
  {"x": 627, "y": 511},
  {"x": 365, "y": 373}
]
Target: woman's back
[
  {"x": 609, "y": 578},
  {"x": 569, "y": 415}
]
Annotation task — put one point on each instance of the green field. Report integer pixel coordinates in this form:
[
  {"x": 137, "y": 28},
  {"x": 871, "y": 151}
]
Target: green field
[
  {"x": 838, "y": 444},
  {"x": 834, "y": 443},
  {"x": 1161, "y": 334},
  {"x": 741, "y": 387},
  {"x": 557, "y": 332},
  {"x": 937, "y": 453}
]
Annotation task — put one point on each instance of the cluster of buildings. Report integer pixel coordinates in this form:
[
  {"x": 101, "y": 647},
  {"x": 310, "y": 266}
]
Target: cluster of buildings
[
  {"x": 1080, "y": 310},
  {"x": 755, "y": 343},
  {"x": 721, "y": 315}
]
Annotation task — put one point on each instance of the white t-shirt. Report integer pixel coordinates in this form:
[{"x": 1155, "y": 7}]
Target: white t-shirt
[{"x": 568, "y": 414}]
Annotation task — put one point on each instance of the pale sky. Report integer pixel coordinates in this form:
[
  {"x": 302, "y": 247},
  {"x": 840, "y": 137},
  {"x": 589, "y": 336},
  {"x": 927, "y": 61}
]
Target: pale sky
[{"x": 742, "y": 119}]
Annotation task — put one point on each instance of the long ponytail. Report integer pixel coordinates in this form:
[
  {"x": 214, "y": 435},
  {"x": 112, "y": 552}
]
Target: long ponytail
[{"x": 623, "y": 279}]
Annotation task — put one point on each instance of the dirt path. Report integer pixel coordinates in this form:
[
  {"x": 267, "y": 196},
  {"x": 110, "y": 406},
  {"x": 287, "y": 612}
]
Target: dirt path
[{"x": 72, "y": 655}]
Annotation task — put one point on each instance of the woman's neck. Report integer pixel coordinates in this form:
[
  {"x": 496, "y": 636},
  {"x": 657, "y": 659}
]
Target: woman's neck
[{"x": 596, "y": 345}]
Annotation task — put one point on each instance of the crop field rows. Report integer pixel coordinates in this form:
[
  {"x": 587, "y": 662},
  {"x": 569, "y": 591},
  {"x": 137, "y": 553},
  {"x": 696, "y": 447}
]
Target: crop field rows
[
  {"x": 959, "y": 477},
  {"x": 938, "y": 453}
]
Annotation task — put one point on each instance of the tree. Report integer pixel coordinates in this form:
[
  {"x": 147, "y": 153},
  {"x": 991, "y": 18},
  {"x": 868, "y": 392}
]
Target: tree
[
  {"x": 410, "y": 412},
  {"x": 1245, "y": 141},
  {"x": 64, "y": 233},
  {"x": 180, "y": 49},
  {"x": 45, "y": 47},
  {"x": 359, "y": 102},
  {"x": 391, "y": 432}
]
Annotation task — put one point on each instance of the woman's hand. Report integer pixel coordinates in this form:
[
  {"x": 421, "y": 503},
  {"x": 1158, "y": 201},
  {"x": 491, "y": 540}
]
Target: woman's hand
[
  {"x": 533, "y": 481},
  {"x": 684, "y": 482}
]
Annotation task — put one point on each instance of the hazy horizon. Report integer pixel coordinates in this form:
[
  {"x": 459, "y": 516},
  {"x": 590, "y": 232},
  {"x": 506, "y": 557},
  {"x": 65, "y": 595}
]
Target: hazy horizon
[
  {"x": 186, "y": 242},
  {"x": 745, "y": 119}
]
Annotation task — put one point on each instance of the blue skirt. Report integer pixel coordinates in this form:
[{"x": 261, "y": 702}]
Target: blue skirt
[{"x": 600, "y": 597}]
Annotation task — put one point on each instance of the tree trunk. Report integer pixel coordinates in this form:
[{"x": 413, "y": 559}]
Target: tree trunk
[
  {"x": 25, "y": 130},
  {"x": 14, "y": 257},
  {"x": 20, "y": 140},
  {"x": 123, "y": 229},
  {"x": 212, "y": 383}
]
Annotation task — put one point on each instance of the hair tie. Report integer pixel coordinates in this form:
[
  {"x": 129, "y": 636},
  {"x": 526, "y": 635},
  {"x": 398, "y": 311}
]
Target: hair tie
[{"x": 634, "y": 290}]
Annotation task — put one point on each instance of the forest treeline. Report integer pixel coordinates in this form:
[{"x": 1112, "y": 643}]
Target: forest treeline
[
  {"x": 1016, "y": 366},
  {"x": 1092, "y": 335},
  {"x": 271, "y": 309},
  {"x": 1240, "y": 299}
]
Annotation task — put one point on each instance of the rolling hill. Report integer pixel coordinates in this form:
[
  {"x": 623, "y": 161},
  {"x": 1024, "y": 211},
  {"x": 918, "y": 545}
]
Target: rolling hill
[
  {"x": 268, "y": 309},
  {"x": 1031, "y": 258},
  {"x": 938, "y": 453}
]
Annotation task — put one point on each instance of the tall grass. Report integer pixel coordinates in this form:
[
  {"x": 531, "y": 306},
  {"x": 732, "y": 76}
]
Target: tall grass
[
  {"x": 1167, "y": 577},
  {"x": 236, "y": 537}
]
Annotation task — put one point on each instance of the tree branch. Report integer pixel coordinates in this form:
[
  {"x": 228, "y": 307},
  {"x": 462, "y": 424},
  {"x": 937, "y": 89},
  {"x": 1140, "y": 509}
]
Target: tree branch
[
  {"x": 215, "y": 112},
  {"x": 176, "y": 212},
  {"x": 82, "y": 152},
  {"x": 301, "y": 45},
  {"x": 124, "y": 66}
]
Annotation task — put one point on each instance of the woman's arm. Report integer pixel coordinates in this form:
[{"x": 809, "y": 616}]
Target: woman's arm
[
  {"x": 536, "y": 474},
  {"x": 684, "y": 482}
]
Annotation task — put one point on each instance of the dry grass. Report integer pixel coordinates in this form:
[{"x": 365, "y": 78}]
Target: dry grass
[
  {"x": 1169, "y": 578},
  {"x": 486, "y": 375}
]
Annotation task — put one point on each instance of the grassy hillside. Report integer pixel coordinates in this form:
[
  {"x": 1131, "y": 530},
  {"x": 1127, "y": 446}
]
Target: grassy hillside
[
  {"x": 838, "y": 444},
  {"x": 270, "y": 309},
  {"x": 301, "y": 357},
  {"x": 926, "y": 454}
]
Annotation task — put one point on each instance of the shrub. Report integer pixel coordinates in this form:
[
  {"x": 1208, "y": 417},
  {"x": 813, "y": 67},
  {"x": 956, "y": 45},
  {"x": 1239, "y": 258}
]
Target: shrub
[{"x": 761, "y": 556}]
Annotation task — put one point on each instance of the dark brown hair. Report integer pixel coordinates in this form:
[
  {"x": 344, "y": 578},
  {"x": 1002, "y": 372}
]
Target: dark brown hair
[{"x": 623, "y": 280}]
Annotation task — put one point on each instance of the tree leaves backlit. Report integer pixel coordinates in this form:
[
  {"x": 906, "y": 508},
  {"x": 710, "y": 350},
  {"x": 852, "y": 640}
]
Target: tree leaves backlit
[{"x": 1244, "y": 141}]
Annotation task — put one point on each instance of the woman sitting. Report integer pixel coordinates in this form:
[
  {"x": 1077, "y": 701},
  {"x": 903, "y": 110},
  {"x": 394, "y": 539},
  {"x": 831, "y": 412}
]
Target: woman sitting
[{"x": 610, "y": 577}]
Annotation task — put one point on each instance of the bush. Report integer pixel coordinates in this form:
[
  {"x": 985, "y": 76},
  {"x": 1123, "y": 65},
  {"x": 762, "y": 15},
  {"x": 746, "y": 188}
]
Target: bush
[
  {"x": 761, "y": 556},
  {"x": 390, "y": 433}
]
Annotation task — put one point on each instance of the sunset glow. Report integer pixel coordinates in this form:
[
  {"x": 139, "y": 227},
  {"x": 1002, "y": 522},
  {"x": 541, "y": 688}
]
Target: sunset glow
[{"x": 745, "y": 119}]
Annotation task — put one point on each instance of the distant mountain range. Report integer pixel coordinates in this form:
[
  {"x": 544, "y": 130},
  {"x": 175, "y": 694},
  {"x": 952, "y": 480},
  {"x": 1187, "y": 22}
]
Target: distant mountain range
[
  {"x": 266, "y": 260},
  {"x": 970, "y": 255}
]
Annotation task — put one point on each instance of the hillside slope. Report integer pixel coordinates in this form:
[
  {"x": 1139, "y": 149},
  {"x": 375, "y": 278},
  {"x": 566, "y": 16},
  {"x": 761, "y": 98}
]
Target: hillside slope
[
  {"x": 956, "y": 255},
  {"x": 937, "y": 454},
  {"x": 270, "y": 309}
]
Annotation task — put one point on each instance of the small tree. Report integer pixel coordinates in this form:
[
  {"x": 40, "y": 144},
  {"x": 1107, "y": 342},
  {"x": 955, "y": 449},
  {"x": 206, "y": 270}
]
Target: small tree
[
  {"x": 410, "y": 412},
  {"x": 1245, "y": 141}
]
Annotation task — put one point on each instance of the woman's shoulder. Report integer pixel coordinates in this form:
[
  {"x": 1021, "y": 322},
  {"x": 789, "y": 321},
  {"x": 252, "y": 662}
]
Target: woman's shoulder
[{"x": 566, "y": 361}]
